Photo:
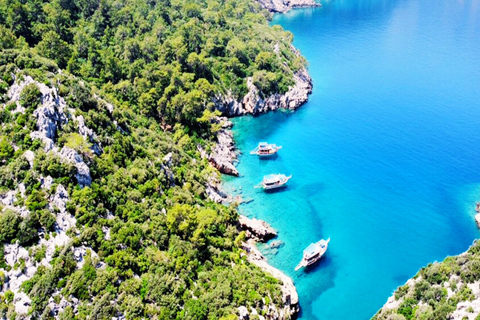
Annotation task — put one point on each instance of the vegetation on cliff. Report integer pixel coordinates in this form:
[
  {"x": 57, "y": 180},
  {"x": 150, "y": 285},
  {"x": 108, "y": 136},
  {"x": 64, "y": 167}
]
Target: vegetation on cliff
[
  {"x": 446, "y": 290},
  {"x": 145, "y": 241}
]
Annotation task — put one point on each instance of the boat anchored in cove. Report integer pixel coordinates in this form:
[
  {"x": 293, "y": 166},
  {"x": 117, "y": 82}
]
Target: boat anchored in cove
[
  {"x": 313, "y": 253},
  {"x": 265, "y": 150},
  {"x": 274, "y": 181}
]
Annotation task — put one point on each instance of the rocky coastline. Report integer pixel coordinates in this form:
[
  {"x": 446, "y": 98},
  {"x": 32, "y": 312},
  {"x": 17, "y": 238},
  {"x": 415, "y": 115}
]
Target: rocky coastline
[
  {"x": 477, "y": 216},
  {"x": 253, "y": 103},
  {"x": 224, "y": 156},
  {"x": 259, "y": 230},
  {"x": 282, "y": 6}
]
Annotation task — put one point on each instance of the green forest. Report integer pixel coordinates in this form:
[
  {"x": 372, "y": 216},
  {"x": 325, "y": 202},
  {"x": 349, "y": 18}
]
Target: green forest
[{"x": 143, "y": 76}]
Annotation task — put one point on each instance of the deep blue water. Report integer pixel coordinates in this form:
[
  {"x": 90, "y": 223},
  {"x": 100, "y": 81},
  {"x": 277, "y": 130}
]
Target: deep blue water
[{"x": 384, "y": 156}]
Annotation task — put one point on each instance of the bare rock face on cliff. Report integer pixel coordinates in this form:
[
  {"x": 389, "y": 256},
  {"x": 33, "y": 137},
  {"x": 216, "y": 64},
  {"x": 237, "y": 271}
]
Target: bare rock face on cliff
[
  {"x": 223, "y": 153},
  {"x": 283, "y": 6},
  {"x": 256, "y": 229},
  {"x": 253, "y": 103},
  {"x": 83, "y": 171},
  {"x": 289, "y": 292}
]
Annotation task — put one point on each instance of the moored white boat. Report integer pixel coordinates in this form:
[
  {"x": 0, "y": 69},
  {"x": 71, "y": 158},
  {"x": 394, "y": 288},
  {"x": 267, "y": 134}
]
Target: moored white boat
[
  {"x": 313, "y": 253},
  {"x": 265, "y": 149},
  {"x": 274, "y": 181}
]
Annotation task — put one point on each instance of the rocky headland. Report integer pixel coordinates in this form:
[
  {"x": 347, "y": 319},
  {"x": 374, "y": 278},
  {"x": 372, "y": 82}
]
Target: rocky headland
[
  {"x": 477, "y": 216},
  {"x": 223, "y": 155},
  {"x": 253, "y": 103},
  {"x": 259, "y": 230},
  {"x": 282, "y": 6}
]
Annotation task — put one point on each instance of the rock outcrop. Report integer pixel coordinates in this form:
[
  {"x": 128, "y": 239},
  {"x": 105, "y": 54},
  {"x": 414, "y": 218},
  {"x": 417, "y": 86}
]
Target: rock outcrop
[
  {"x": 254, "y": 104},
  {"x": 256, "y": 229},
  {"x": 477, "y": 216},
  {"x": 215, "y": 193},
  {"x": 50, "y": 114},
  {"x": 83, "y": 172},
  {"x": 223, "y": 154},
  {"x": 88, "y": 134},
  {"x": 289, "y": 292},
  {"x": 283, "y": 6}
]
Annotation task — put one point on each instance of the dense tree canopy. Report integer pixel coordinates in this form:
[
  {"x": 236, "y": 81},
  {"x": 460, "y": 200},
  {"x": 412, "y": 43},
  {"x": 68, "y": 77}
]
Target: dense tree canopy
[{"x": 167, "y": 59}]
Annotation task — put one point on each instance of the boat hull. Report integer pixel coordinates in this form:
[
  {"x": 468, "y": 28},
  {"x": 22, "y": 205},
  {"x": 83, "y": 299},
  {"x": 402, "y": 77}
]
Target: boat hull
[
  {"x": 275, "y": 187},
  {"x": 267, "y": 151},
  {"x": 261, "y": 155},
  {"x": 281, "y": 184}
]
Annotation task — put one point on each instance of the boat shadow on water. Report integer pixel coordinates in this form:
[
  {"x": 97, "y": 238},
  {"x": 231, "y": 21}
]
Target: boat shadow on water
[
  {"x": 277, "y": 190},
  {"x": 272, "y": 157},
  {"x": 318, "y": 278},
  {"x": 324, "y": 262}
]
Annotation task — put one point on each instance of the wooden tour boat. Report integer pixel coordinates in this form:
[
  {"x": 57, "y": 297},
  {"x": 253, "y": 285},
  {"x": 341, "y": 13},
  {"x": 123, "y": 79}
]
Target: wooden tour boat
[
  {"x": 313, "y": 253},
  {"x": 265, "y": 150}
]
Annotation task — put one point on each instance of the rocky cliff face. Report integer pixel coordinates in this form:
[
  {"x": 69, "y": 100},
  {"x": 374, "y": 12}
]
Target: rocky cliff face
[
  {"x": 259, "y": 230},
  {"x": 283, "y": 6},
  {"x": 254, "y": 104}
]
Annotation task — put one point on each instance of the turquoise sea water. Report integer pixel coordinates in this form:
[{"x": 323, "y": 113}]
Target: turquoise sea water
[{"x": 384, "y": 156}]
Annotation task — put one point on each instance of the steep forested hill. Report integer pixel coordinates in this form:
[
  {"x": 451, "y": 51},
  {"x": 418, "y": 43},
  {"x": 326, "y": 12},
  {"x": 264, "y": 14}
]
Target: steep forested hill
[{"x": 104, "y": 105}]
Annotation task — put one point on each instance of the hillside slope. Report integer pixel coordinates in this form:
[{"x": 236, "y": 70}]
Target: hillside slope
[{"x": 105, "y": 107}]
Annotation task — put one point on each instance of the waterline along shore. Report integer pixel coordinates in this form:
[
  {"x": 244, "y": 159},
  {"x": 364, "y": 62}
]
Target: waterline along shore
[{"x": 224, "y": 157}]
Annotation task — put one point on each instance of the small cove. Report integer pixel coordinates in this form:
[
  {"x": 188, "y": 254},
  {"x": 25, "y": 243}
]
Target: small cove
[{"x": 383, "y": 156}]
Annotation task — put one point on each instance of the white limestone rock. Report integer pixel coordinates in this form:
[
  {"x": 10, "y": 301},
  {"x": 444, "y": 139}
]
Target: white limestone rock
[
  {"x": 289, "y": 292},
  {"x": 83, "y": 172},
  {"x": 283, "y": 6},
  {"x": 50, "y": 114},
  {"x": 243, "y": 313},
  {"x": 215, "y": 194},
  {"x": 106, "y": 230},
  {"x": 9, "y": 198},
  {"x": 15, "y": 252},
  {"x": 477, "y": 219},
  {"x": 256, "y": 229},
  {"x": 22, "y": 189},
  {"x": 79, "y": 254},
  {"x": 167, "y": 160},
  {"x": 253, "y": 103},
  {"x": 88, "y": 134},
  {"x": 61, "y": 239},
  {"x": 223, "y": 153},
  {"x": 57, "y": 308},
  {"x": 46, "y": 182},
  {"x": 64, "y": 219},
  {"x": 30, "y": 156},
  {"x": 22, "y": 303},
  {"x": 166, "y": 166}
]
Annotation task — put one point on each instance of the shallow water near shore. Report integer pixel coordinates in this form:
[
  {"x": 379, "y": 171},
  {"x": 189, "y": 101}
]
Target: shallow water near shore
[{"x": 384, "y": 156}]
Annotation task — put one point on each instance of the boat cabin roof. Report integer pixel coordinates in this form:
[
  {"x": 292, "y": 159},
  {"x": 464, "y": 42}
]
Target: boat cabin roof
[
  {"x": 271, "y": 178},
  {"x": 263, "y": 144},
  {"x": 314, "y": 248},
  {"x": 311, "y": 250}
]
